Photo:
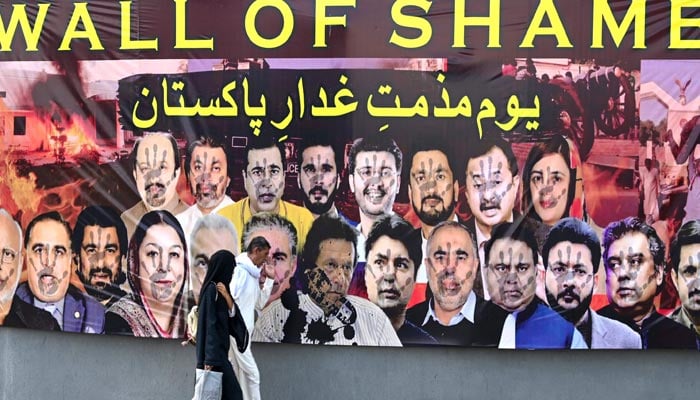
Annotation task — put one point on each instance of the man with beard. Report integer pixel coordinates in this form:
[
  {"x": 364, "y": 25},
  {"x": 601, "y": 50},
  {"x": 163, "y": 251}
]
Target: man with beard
[
  {"x": 571, "y": 255},
  {"x": 99, "y": 246},
  {"x": 156, "y": 169},
  {"x": 207, "y": 172},
  {"x": 685, "y": 262},
  {"x": 633, "y": 255},
  {"x": 393, "y": 252},
  {"x": 282, "y": 261},
  {"x": 374, "y": 169},
  {"x": 264, "y": 177},
  {"x": 47, "y": 243},
  {"x": 14, "y": 311},
  {"x": 492, "y": 183},
  {"x": 321, "y": 311},
  {"x": 319, "y": 174},
  {"x": 511, "y": 254},
  {"x": 453, "y": 315},
  {"x": 433, "y": 191}
]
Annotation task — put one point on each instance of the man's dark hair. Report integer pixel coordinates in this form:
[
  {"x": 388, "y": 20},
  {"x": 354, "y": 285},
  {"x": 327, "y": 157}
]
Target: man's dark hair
[
  {"x": 432, "y": 143},
  {"x": 323, "y": 139},
  {"x": 620, "y": 228},
  {"x": 173, "y": 142},
  {"x": 257, "y": 242},
  {"x": 323, "y": 228},
  {"x": 687, "y": 235},
  {"x": 577, "y": 232},
  {"x": 518, "y": 232},
  {"x": 264, "y": 141},
  {"x": 102, "y": 216},
  {"x": 49, "y": 216},
  {"x": 395, "y": 227},
  {"x": 489, "y": 141},
  {"x": 374, "y": 143},
  {"x": 207, "y": 141}
]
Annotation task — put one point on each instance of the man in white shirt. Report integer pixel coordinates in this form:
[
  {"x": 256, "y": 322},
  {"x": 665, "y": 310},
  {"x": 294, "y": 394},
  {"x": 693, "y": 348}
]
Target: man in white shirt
[{"x": 248, "y": 295}]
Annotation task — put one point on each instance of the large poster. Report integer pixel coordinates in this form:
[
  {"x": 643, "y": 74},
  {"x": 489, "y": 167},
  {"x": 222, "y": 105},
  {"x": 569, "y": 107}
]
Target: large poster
[{"x": 403, "y": 173}]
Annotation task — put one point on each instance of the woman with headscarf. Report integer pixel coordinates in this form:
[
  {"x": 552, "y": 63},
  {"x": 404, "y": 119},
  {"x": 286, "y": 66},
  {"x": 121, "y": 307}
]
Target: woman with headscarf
[
  {"x": 214, "y": 322},
  {"x": 157, "y": 269}
]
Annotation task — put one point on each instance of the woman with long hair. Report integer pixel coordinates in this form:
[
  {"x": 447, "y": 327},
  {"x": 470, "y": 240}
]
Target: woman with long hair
[
  {"x": 213, "y": 322},
  {"x": 157, "y": 268},
  {"x": 550, "y": 178}
]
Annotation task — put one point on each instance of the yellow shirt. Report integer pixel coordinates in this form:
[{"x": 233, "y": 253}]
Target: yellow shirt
[{"x": 239, "y": 213}]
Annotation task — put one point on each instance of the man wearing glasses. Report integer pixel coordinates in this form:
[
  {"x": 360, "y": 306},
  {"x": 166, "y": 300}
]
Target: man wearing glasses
[
  {"x": 264, "y": 179},
  {"x": 374, "y": 164}
]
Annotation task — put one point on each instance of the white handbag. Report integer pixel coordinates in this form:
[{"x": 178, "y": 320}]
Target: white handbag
[{"x": 207, "y": 385}]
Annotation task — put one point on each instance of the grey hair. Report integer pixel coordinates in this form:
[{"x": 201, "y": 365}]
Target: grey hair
[
  {"x": 11, "y": 293},
  {"x": 214, "y": 222},
  {"x": 267, "y": 221}
]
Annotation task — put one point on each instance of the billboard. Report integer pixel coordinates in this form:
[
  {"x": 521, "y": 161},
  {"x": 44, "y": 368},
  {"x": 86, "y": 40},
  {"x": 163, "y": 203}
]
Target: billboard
[{"x": 481, "y": 174}]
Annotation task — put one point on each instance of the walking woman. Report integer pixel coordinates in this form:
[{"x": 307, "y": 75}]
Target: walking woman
[{"x": 216, "y": 322}]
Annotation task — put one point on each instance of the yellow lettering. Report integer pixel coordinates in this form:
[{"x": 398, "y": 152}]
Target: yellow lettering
[
  {"x": 19, "y": 17},
  {"x": 602, "y": 12},
  {"x": 322, "y": 20},
  {"x": 181, "y": 41},
  {"x": 678, "y": 23},
  {"x": 287, "y": 23},
  {"x": 127, "y": 43},
  {"x": 80, "y": 14},
  {"x": 409, "y": 21},
  {"x": 546, "y": 7},
  {"x": 492, "y": 21}
]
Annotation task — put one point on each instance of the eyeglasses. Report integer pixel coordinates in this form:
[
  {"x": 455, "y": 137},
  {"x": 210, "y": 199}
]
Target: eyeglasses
[{"x": 368, "y": 172}]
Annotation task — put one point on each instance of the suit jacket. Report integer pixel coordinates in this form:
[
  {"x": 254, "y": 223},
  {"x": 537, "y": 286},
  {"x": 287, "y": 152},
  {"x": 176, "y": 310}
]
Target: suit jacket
[
  {"x": 657, "y": 331},
  {"x": 81, "y": 313},
  {"x": 25, "y": 315},
  {"x": 607, "y": 333}
]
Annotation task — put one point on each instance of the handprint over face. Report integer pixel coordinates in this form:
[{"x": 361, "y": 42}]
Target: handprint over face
[
  {"x": 687, "y": 279},
  {"x": 511, "y": 274},
  {"x": 208, "y": 176},
  {"x": 161, "y": 264},
  {"x": 570, "y": 279},
  {"x": 432, "y": 187},
  {"x": 491, "y": 188},
  {"x": 375, "y": 182},
  {"x": 100, "y": 257},
  {"x": 631, "y": 276},
  {"x": 318, "y": 178},
  {"x": 549, "y": 187},
  {"x": 48, "y": 260},
  {"x": 389, "y": 275},
  {"x": 264, "y": 179},
  {"x": 155, "y": 171},
  {"x": 452, "y": 265}
]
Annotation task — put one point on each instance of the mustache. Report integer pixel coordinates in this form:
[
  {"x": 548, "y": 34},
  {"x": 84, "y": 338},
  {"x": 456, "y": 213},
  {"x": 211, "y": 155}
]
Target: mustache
[
  {"x": 211, "y": 186},
  {"x": 159, "y": 184},
  {"x": 103, "y": 270},
  {"x": 319, "y": 189},
  {"x": 380, "y": 190},
  {"x": 431, "y": 197},
  {"x": 569, "y": 292},
  {"x": 490, "y": 204},
  {"x": 46, "y": 271}
]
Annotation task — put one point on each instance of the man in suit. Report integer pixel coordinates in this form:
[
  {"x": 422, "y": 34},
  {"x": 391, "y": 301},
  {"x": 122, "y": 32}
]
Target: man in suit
[
  {"x": 13, "y": 310},
  {"x": 571, "y": 255},
  {"x": 491, "y": 187},
  {"x": 634, "y": 266},
  {"x": 47, "y": 243},
  {"x": 685, "y": 264}
]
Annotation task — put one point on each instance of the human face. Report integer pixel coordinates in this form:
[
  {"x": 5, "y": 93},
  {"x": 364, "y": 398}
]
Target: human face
[
  {"x": 389, "y": 274},
  {"x": 264, "y": 179},
  {"x": 570, "y": 278},
  {"x": 208, "y": 179},
  {"x": 687, "y": 279},
  {"x": 10, "y": 260},
  {"x": 452, "y": 263},
  {"x": 375, "y": 182},
  {"x": 433, "y": 189},
  {"x": 329, "y": 279},
  {"x": 491, "y": 189},
  {"x": 319, "y": 178},
  {"x": 631, "y": 276},
  {"x": 549, "y": 186},
  {"x": 100, "y": 259},
  {"x": 161, "y": 264},
  {"x": 280, "y": 257},
  {"x": 511, "y": 274},
  {"x": 204, "y": 244},
  {"x": 156, "y": 172},
  {"x": 49, "y": 261}
]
